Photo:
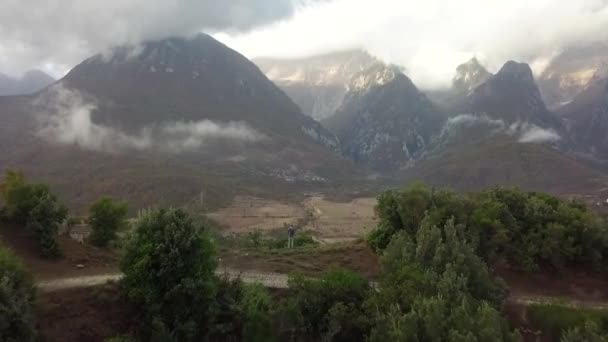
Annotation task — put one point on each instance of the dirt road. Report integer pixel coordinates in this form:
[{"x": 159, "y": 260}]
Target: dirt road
[{"x": 270, "y": 280}]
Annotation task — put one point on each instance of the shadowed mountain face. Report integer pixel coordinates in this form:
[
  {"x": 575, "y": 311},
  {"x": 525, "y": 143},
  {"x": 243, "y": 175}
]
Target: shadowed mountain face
[
  {"x": 587, "y": 118},
  {"x": 384, "y": 120},
  {"x": 317, "y": 84},
  {"x": 31, "y": 82},
  {"x": 512, "y": 95},
  {"x": 190, "y": 113}
]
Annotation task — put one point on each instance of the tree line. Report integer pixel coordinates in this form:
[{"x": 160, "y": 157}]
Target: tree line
[{"x": 437, "y": 250}]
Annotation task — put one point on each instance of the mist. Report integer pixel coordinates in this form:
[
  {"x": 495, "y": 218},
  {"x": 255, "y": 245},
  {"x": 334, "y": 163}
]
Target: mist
[
  {"x": 55, "y": 35},
  {"x": 523, "y": 132},
  {"x": 431, "y": 38},
  {"x": 67, "y": 119}
]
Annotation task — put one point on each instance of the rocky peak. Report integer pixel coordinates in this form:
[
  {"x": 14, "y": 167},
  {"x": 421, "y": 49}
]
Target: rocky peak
[
  {"x": 317, "y": 84},
  {"x": 516, "y": 72},
  {"x": 469, "y": 76},
  {"x": 377, "y": 76},
  {"x": 511, "y": 95},
  {"x": 384, "y": 121}
]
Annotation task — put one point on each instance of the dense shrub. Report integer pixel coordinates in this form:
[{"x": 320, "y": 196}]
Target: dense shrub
[
  {"x": 16, "y": 300},
  {"x": 524, "y": 229},
  {"x": 245, "y": 312},
  {"x": 590, "y": 332},
  {"x": 106, "y": 217},
  {"x": 169, "y": 268},
  {"x": 435, "y": 288},
  {"x": 330, "y": 308},
  {"x": 34, "y": 206},
  {"x": 555, "y": 320}
]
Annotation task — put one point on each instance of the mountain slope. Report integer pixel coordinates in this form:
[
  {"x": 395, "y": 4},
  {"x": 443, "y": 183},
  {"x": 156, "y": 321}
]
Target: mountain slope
[
  {"x": 587, "y": 118},
  {"x": 385, "y": 120},
  {"x": 168, "y": 120},
  {"x": 317, "y": 84},
  {"x": 571, "y": 72},
  {"x": 500, "y": 161},
  {"x": 31, "y": 82}
]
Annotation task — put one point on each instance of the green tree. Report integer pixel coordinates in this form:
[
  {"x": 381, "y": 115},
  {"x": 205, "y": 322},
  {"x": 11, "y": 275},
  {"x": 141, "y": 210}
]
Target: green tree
[
  {"x": 330, "y": 308},
  {"x": 589, "y": 333},
  {"x": 34, "y": 206},
  {"x": 106, "y": 217},
  {"x": 16, "y": 300},
  {"x": 43, "y": 222},
  {"x": 168, "y": 267}
]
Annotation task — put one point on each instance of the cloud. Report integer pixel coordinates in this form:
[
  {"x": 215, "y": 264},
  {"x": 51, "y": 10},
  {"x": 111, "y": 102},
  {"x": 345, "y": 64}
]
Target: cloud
[
  {"x": 524, "y": 132},
  {"x": 65, "y": 118},
  {"x": 430, "y": 38},
  {"x": 57, "y": 34},
  {"x": 529, "y": 133}
]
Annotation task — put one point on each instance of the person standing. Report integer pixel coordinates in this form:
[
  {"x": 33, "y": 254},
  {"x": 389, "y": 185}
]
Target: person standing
[{"x": 291, "y": 233}]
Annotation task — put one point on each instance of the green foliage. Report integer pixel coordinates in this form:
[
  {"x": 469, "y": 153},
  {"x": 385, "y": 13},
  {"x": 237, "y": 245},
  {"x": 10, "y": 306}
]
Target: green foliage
[
  {"x": 169, "y": 268},
  {"x": 256, "y": 308},
  {"x": 555, "y": 320},
  {"x": 106, "y": 218},
  {"x": 435, "y": 288},
  {"x": 16, "y": 300},
  {"x": 37, "y": 208},
  {"x": 244, "y": 312},
  {"x": 590, "y": 332},
  {"x": 330, "y": 308},
  {"x": 524, "y": 229}
]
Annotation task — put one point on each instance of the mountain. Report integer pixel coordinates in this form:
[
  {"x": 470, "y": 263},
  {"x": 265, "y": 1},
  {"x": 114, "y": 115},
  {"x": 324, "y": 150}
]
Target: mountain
[
  {"x": 31, "y": 82},
  {"x": 317, "y": 84},
  {"x": 469, "y": 76},
  {"x": 571, "y": 72},
  {"x": 512, "y": 96},
  {"x": 384, "y": 119},
  {"x": 166, "y": 120},
  {"x": 587, "y": 117},
  {"x": 501, "y": 161}
]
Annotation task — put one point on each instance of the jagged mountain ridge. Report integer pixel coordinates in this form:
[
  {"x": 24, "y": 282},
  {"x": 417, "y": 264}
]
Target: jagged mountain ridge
[
  {"x": 572, "y": 71},
  {"x": 317, "y": 84},
  {"x": 384, "y": 120}
]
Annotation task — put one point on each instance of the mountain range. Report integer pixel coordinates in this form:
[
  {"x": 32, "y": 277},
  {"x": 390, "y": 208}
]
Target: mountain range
[
  {"x": 31, "y": 82},
  {"x": 180, "y": 119}
]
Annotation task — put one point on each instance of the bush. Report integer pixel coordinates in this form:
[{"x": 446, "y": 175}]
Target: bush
[
  {"x": 527, "y": 230},
  {"x": 43, "y": 222},
  {"x": 330, "y": 308},
  {"x": 106, "y": 217},
  {"x": 16, "y": 300},
  {"x": 555, "y": 320},
  {"x": 169, "y": 268},
  {"x": 590, "y": 332},
  {"x": 37, "y": 208},
  {"x": 435, "y": 288}
]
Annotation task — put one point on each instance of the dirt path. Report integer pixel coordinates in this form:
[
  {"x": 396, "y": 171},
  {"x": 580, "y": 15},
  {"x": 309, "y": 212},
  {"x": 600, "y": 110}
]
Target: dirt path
[
  {"x": 279, "y": 281},
  {"x": 270, "y": 280}
]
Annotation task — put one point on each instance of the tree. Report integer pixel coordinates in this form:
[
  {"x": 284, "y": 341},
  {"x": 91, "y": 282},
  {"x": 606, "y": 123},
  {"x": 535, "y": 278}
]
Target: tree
[
  {"x": 43, "y": 222},
  {"x": 34, "y": 206},
  {"x": 106, "y": 218},
  {"x": 16, "y": 300},
  {"x": 330, "y": 308},
  {"x": 168, "y": 268}
]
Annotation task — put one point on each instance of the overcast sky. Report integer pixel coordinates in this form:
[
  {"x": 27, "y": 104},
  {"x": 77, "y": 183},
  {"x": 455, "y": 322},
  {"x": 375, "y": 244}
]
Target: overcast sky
[{"x": 430, "y": 38}]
